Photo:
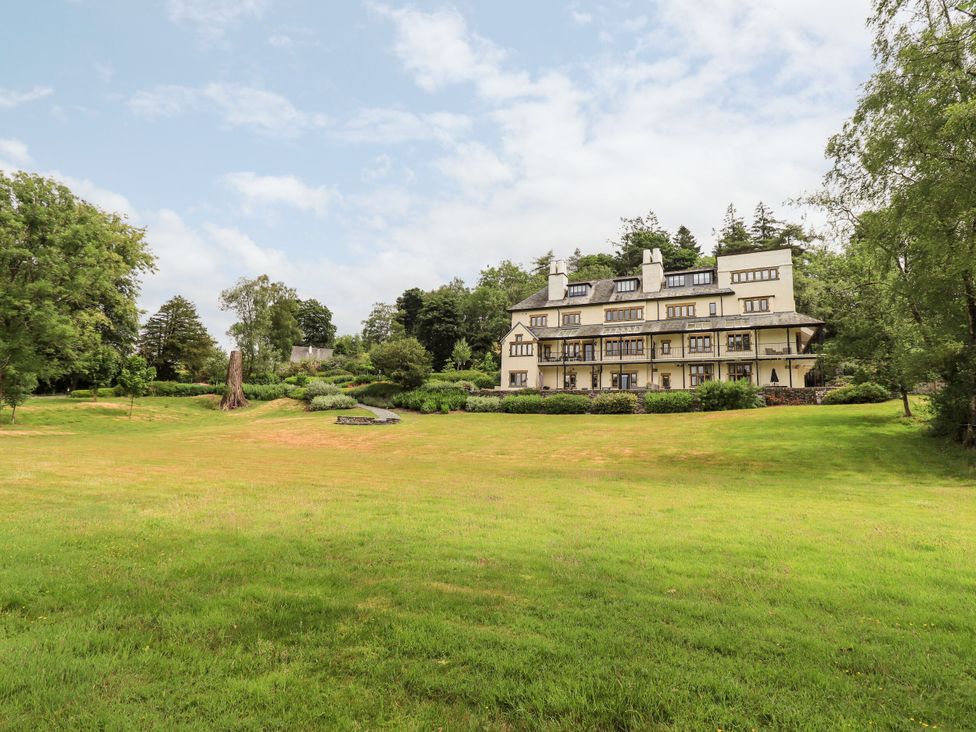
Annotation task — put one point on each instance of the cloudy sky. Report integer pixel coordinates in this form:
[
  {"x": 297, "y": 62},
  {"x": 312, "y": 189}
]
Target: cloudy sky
[{"x": 354, "y": 149}]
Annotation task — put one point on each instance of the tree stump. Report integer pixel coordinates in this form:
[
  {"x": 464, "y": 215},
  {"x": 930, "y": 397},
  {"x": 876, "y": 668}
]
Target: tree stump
[{"x": 234, "y": 393}]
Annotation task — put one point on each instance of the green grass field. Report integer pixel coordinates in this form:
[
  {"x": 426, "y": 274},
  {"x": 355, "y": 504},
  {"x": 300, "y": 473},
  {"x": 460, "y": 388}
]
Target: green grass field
[{"x": 789, "y": 568}]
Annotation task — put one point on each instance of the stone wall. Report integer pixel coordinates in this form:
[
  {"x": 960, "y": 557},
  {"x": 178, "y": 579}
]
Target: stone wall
[{"x": 357, "y": 420}]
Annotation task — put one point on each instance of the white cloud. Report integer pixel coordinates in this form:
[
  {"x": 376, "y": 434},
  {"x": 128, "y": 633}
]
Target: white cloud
[
  {"x": 10, "y": 98},
  {"x": 581, "y": 18},
  {"x": 394, "y": 126},
  {"x": 238, "y": 105},
  {"x": 13, "y": 151},
  {"x": 474, "y": 167},
  {"x": 284, "y": 190},
  {"x": 213, "y": 18},
  {"x": 380, "y": 167}
]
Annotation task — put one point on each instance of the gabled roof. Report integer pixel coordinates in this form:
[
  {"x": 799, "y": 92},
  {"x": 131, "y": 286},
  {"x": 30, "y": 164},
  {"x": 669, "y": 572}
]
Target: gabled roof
[
  {"x": 603, "y": 292},
  {"x": 680, "y": 325}
]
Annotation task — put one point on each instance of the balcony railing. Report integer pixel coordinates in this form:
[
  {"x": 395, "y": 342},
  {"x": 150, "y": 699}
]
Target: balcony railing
[{"x": 677, "y": 352}]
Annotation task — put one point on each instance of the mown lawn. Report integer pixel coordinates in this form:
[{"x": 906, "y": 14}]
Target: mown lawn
[{"x": 789, "y": 568}]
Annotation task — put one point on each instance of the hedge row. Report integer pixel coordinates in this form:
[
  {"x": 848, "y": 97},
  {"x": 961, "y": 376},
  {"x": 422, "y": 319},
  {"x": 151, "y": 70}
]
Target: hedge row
[
  {"x": 858, "y": 394},
  {"x": 480, "y": 379},
  {"x": 256, "y": 392},
  {"x": 331, "y": 401}
]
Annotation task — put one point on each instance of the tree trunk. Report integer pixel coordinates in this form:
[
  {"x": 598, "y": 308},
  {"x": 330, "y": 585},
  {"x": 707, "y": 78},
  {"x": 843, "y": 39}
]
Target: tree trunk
[
  {"x": 132, "y": 400},
  {"x": 234, "y": 392},
  {"x": 904, "y": 401},
  {"x": 13, "y": 415}
]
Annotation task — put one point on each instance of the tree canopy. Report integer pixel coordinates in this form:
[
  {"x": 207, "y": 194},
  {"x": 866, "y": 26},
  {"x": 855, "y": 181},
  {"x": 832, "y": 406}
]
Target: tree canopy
[{"x": 174, "y": 341}]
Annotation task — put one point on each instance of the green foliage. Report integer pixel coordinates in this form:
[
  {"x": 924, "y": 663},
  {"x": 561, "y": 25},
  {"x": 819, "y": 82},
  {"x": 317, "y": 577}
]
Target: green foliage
[
  {"x": 348, "y": 345},
  {"x": 339, "y": 379},
  {"x": 522, "y": 404},
  {"x": 461, "y": 354},
  {"x": 267, "y": 392},
  {"x": 431, "y": 401},
  {"x": 177, "y": 389},
  {"x": 377, "y": 394},
  {"x": 314, "y": 322},
  {"x": 70, "y": 277},
  {"x": 90, "y": 393},
  {"x": 404, "y": 361},
  {"x": 174, "y": 340},
  {"x": 266, "y": 326},
  {"x": 16, "y": 390},
  {"x": 480, "y": 379},
  {"x": 318, "y": 387},
  {"x": 334, "y": 401},
  {"x": 566, "y": 404},
  {"x": 214, "y": 368},
  {"x": 408, "y": 307},
  {"x": 715, "y": 396},
  {"x": 439, "y": 323},
  {"x": 135, "y": 378},
  {"x": 662, "y": 402},
  {"x": 379, "y": 325},
  {"x": 858, "y": 394},
  {"x": 299, "y": 394},
  {"x": 483, "y": 404},
  {"x": 614, "y": 403}
]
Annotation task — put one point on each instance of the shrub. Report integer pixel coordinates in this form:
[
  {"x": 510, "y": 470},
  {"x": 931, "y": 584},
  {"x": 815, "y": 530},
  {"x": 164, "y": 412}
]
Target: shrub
[
  {"x": 176, "y": 389},
  {"x": 717, "y": 396},
  {"x": 428, "y": 402},
  {"x": 298, "y": 393},
  {"x": 483, "y": 404},
  {"x": 404, "y": 361},
  {"x": 321, "y": 388},
  {"x": 267, "y": 392},
  {"x": 566, "y": 404},
  {"x": 660, "y": 402},
  {"x": 332, "y": 401},
  {"x": 338, "y": 379},
  {"x": 614, "y": 403},
  {"x": 522, "y": 404},
  {"x": 102, "y": 392},
  {"x": 858, "y": 394},
  {"x": 480, "y": 379},
  {"x": 377, "y": 394}
]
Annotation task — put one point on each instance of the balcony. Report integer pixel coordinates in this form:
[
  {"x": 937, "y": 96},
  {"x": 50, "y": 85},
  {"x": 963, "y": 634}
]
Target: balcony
[{"x": 717, "y": 351}]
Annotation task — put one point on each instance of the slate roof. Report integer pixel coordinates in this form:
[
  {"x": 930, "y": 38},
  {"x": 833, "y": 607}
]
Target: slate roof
[
  {"x": 679, "y": 325},
  {"x": 603, "y": 292}
]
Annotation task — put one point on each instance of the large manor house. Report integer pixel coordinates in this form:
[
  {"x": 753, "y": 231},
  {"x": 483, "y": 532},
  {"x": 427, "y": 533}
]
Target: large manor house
[{"x": 664, "y": 330}]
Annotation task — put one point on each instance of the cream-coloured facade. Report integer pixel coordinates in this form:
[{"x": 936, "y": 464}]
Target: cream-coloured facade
[{"x": 663, "y": 330}]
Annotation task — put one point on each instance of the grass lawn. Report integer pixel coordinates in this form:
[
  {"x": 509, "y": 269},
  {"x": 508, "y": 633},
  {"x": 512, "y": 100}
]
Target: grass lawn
[{"x": 788, "y": 568}]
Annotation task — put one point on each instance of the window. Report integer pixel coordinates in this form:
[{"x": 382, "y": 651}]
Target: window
[
  {"x": 627, "y": 286},
  {"x": 518, "y": 338},
  {"x": 700, "y": 344},
  {"x": 571, "y": 318},
  {"x": 571, "y": 351},
  {"x": 665, "y": 347},
  {"x": 740, "y": 372},
  {"x": 756, "y": 275},
  {"x": 518, "y": 379},
  {"x": 713, "y": 308},
  {"x": 569, "y": 380},
  {"x": 739, "y": 342},
  {"x": 666, "y": 382},
  {"x": 624, "y": 314},
  {"x": 625, "y": 380},
  {"x": 676, "y": 280},
  {"x": 701, "y": 278},
  {"x": 625, "y": 347},
  {"x": 681, "y": 311},
  {"x": 520, "y": 349},
  {"x": 538, "y": 321},
  {"x": 756, "y": 305},
  {"x": 700, "y": 373},
  {"x": 578, "y": 290}
]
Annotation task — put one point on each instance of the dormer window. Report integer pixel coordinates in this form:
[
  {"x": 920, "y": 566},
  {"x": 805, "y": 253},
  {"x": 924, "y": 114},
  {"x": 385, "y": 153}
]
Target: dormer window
[
  {"x": 676, "y": 280},
  {"x": 701, "y": 278},
  {"x": 577, "y": 290},
  {"x": 627, "y": 286}
]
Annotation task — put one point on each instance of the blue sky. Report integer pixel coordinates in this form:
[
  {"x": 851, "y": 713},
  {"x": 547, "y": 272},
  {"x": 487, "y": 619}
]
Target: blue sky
[{"x": 354, "y": 149}]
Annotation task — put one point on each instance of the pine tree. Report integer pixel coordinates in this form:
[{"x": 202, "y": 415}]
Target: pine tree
[
  {"x": 174, "y": 340},
  {"x": 765, "y": 228},
  {"x": 733, "y": 237}
]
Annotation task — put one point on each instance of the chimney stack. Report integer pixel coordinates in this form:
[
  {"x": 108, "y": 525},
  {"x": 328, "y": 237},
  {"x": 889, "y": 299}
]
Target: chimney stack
[
  {"x": 652, "y": 270},
  {"x": 558, "y": 280}
]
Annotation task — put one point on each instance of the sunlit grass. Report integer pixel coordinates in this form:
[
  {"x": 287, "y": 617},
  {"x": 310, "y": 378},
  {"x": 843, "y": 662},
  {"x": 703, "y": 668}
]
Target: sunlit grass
[{"x": 803, "y": 567}]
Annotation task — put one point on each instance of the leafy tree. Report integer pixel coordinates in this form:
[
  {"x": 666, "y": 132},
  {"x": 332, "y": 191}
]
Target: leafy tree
[
  {"x": 540, "y": 265},
  {"x": 636, "y": 235},
  {"x": 408, "y": 306},
  {"x": 348, "y": 345},
  {"x": 488, "y": 364},
  {"x": 516, "y": 283},
  {"x": 174, "y": 340},
  {"x": 285, "y": 330},
  {"x": 733, "y": 237},
  {"x": 593, "y": 267},
  {"x": 214, "y": 369},
  {"x": 135, "y": 378},
  {"x": 69, "y": 277},
  {"x": 100, "y": 365},
  {"x": 439, "y": 324},
  {"x": 461, "y": 354},
  {"x": 903, "y": 180},
  {"x": 379, "y": 325},
  {"x": 315, "y": 323},
  {"x": 18, "y": 389},
  {"x": 485, "y": 318},
  {"x": 404, "y": 361},
  {"x": 266, "y": 326}
]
